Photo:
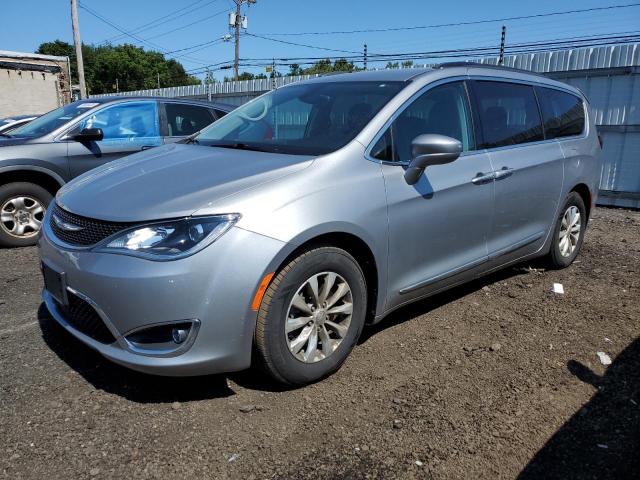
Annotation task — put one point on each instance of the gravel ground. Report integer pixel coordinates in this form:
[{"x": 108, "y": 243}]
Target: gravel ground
[{"x": 499, "y": 378}]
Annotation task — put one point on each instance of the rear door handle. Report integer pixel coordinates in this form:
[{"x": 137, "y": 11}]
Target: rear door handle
[
  {"x": 503, "y": 173},
  {"x": 482, "y": 178}
]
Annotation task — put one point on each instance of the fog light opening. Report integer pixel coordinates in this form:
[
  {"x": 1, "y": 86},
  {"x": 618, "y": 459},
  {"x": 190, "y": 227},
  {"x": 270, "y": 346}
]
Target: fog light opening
[{"x": 179, "y": 335}]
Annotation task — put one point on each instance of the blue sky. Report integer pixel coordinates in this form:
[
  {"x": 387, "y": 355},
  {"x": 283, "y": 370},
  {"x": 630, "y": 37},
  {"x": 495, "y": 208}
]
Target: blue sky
[{"x": 27, "y": 23}]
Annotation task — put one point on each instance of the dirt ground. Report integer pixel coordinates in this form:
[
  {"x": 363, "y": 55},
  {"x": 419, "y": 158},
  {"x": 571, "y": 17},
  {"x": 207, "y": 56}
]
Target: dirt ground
[{"x": 496, "y": 379}]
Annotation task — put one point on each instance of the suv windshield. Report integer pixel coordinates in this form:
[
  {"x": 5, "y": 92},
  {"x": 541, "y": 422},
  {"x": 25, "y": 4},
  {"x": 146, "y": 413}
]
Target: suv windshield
[
  {"x": 49, "y": 122},
  {"x": 305, "y": 119}
]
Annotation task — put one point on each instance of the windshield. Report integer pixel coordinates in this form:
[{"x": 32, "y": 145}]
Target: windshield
[
  {"x": 305, "y": 119},
  {"x": 49, "y": 122}
]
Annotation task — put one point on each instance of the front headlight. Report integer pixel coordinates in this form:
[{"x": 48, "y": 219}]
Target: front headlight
[{"x": 171, "y": 239}]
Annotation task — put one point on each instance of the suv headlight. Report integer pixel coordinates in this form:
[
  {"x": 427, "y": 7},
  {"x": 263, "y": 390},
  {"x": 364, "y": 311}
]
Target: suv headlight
[{"x": 169, "y": 240}]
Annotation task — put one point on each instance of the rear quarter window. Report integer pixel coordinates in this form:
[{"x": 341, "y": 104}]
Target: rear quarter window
[{"x": 562, "y": 113}]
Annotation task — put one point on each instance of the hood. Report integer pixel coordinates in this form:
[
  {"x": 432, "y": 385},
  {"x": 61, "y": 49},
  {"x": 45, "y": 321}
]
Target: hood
[
  {"x": 171, "y": 181},
  {"x": 12, "y": 141}
]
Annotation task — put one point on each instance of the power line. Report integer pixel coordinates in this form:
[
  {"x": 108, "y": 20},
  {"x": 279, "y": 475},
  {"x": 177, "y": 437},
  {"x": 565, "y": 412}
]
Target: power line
[
  {"x": 565, "y": 40},
  {"x": 531, "y": 47},
  {"x": 211, "y": 42},
  {"x": 170, "y": 16},
  {"x": 132, "y": 35},
  {"x": 455, "y": 24},
  {"x": 204, "y": 19},
  {"x": 117, "y": 27},
  {"x": 299, "y": 44}
]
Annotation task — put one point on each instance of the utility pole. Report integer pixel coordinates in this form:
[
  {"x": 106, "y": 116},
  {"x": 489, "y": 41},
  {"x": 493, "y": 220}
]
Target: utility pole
[
  {"x": 238, "y": 21},
  {"x": 158, "y": 73},
  {"x": 237, "y": 40},
  {"x": 365, "y": 56},
  {"x": 501, "y": 58},
  {"x": 273, "y": 74},
  {"x": 78, "y": 45}
]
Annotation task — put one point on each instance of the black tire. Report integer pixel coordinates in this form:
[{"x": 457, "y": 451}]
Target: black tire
[
  {"x": 272, "y": 349},
  {"x": 18, "y": 189},
  {"x": 555, "y": 258}
]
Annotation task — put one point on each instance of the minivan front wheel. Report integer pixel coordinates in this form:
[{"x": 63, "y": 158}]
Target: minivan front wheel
[
  {"x": 568, "y": 232},
  {"x": 311, "y": 316},
  {"x": 22, "y": 209}
]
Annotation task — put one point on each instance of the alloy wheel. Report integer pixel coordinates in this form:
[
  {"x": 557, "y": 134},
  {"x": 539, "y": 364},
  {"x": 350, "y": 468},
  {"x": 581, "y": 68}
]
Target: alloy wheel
[
  {"x": 21, "y": 216},
  {"x": 569, "y": 231},
  {"x": 318, "y": 317}
]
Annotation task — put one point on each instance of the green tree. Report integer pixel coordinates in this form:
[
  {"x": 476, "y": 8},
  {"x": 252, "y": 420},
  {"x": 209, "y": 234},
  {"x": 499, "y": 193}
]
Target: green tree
[
  {"x": 294, "y": 69},
  {"x": 132, "y": 66},
  {"x": 325, "y": 66}
]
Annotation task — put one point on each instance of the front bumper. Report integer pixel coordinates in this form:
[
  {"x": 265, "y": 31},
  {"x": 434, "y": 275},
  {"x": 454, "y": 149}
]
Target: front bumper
[{"x": 214, "y": 287}]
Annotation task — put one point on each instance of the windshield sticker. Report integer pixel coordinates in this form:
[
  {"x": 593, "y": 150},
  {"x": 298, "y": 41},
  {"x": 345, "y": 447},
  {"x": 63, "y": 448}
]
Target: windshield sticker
[{"x": 88, "y": 105}]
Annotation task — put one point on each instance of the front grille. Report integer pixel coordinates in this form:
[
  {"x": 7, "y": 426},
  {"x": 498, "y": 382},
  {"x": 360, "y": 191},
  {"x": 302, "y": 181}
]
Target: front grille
[
  {"x": 84, "y": 318},
  {"x": 93, "y": 231}
]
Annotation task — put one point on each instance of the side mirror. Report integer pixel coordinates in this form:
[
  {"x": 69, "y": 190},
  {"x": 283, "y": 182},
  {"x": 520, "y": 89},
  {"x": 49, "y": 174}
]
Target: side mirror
[
  {"x": 430, "y": 149},
  {"x": 89, "y": 135}
]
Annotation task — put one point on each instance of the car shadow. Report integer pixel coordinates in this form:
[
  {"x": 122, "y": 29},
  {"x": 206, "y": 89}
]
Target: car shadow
[
  {"x": 422, "y": 307},
  {"x": 112, "y": 378},
  {"x": 602, "y": 439}
]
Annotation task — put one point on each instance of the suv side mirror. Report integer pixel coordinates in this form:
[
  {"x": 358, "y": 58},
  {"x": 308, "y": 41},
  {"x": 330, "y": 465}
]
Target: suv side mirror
[
  {"x": 89, "y": 135},
  {"x": 430, "y": 149}
]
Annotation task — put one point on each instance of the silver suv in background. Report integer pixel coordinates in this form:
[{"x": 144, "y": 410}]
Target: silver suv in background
[
  {"x": 278, "y": 232},
  {"x": 39, "y": 157}
]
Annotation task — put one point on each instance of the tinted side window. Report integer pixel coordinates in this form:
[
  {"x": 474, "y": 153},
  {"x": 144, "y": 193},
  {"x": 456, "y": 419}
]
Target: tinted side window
[
  {"x": 443, "y": 110},
  {"x": 126, "y": 121},
  {"x": 509, "y": 113},
  {"x": 183, "y": 120},
  {"x": 219, "y": 113},
  {"x": 563, "y": 113}
]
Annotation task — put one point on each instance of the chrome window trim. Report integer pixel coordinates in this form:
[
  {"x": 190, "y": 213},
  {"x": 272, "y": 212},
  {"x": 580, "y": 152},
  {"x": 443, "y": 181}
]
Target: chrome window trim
[{"x": 479, "y": 77}]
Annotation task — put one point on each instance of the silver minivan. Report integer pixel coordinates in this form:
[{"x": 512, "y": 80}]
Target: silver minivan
[{"x": 279, "y": 231}]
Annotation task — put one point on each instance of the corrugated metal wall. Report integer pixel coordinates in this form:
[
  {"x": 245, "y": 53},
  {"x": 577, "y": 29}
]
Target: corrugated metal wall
[{"x": 607, "y": 75}]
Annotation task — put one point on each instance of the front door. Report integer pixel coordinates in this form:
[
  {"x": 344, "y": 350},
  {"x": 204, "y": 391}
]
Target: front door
[
  {"x": 127, "y": 127},
  {"x": 438, "y": 228}
]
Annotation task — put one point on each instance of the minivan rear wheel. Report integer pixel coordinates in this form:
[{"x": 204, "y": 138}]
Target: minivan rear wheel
[
  {"x": 311, "y": 316},
  {"x": 22, "y": 209},
  {"x": 568, "y": 233}
]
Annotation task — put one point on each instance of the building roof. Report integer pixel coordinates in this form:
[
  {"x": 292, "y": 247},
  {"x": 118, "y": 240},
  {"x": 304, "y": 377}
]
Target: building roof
[{"x": 31, "y": 56}]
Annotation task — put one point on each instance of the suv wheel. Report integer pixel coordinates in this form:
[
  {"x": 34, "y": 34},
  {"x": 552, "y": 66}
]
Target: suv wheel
[
  {"x": 311, "y": 316},
  {"x": 569, "y": 232},
  {"x": 22, "y": 209}
]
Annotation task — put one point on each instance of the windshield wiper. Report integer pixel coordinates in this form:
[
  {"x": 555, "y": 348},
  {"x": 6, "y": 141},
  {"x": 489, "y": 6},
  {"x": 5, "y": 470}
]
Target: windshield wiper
[
  {"x": 242, "y": 146},
  {"x": 190, "y": 139}
]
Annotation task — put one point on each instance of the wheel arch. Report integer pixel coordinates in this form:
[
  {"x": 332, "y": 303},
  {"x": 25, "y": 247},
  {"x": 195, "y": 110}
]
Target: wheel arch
[
  {"x": 583, "y": 190},
  {"x": 352, "y": 243},
  {"x": 48, "y": 180}
]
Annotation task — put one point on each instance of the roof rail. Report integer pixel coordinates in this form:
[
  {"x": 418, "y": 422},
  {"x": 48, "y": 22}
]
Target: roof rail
[{"x": 485, "y": 65}]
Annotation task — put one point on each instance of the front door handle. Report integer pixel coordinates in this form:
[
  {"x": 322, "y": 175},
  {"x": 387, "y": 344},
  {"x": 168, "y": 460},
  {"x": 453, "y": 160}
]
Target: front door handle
[
  {"x": 503, "y": 173},
  {"x": 482, "y": 178}
]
